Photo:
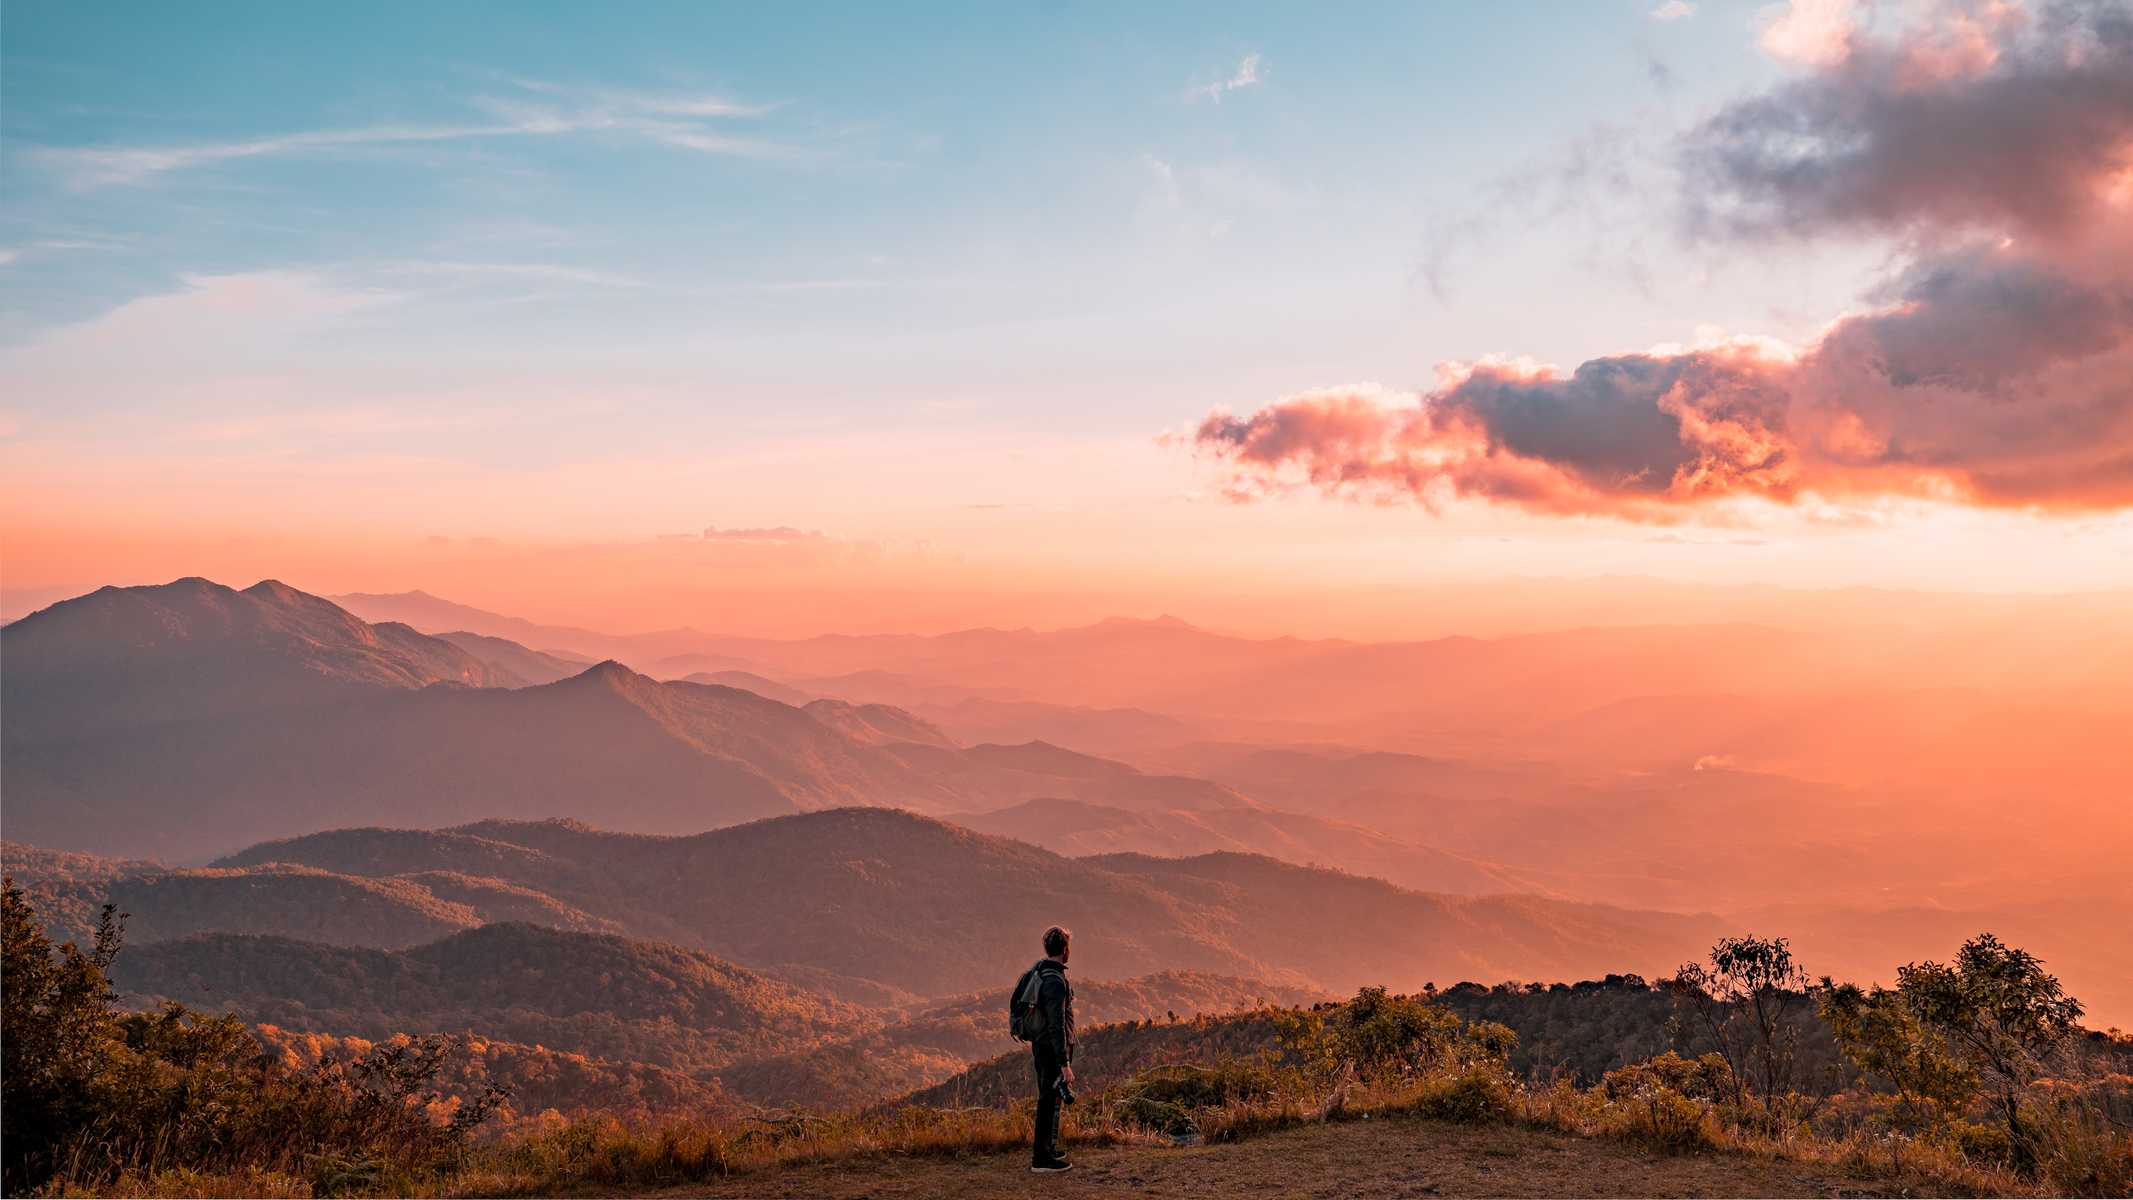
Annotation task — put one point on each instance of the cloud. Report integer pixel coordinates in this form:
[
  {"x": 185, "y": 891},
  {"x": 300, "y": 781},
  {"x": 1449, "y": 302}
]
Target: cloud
[
  {"x": 1984, "y": 118},
  {"x": 1991, "y": 369},
  {"x": 671, "y": 120},
  {"x": 84, "y": 168},
  {"x": 1246, "y": 75},
  {"x": 1993, "y": 378},
  {"x": 1673, "y": 10},
  {"x": 533, "y": 272},
  {"x": 670, "y": 104},
  {"x": 1811, "y": 32},
  {"x": 781, "y": 533}
]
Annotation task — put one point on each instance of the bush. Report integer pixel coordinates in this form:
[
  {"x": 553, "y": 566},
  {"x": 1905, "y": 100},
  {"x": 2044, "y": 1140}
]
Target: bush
[
  {"x": 105, "y": 1100},
  {"x": 1469, "y": 1094},
  {"x": 1383, "y": 1037},
  {"x": 1666, "y": 1103},
  {"x": 1171, "y": 1100},
  {"x": 1981, "y": 1143}
]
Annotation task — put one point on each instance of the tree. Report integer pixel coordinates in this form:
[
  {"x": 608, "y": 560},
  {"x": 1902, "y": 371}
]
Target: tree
[
  {"x": 97, "y": 1093},
  {"x": 1997, "y": 1011},
  {"x": 56, "y": 1022},
  {"x": 1881, "y": 1035},
  {"x": 1747, "y": 999}
]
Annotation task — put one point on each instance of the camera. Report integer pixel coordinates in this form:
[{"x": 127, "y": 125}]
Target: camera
[{"x": 1066, "y": 1092}]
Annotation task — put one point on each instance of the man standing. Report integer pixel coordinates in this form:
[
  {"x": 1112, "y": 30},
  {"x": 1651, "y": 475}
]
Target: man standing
[{"x": 1053, "y": 1047}]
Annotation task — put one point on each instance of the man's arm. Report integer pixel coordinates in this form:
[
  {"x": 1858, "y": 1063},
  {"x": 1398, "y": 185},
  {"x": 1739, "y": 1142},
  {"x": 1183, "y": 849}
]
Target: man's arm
[{"x": 1058, "y": 1013}]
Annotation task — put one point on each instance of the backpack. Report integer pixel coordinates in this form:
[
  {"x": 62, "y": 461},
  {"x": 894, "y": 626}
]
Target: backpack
[{"x": 1025, "y": 1016}]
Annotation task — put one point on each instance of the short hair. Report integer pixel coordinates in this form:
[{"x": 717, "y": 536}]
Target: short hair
[{"x": 1055, "y": 941}]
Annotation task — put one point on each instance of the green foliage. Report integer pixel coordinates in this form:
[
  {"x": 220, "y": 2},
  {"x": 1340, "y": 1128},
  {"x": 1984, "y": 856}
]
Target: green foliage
[
  {"x": 1998, "y": 1013},
  {"x": 1879, "y": 1031},
  {"x": 1584, "y": 1030},
  {"x": 1994, "y": 1025},
  {"x": 1469, "y": 1093},
  {"x": 96, "y": 1096},
  {"x": 1379, "y": 1035}
]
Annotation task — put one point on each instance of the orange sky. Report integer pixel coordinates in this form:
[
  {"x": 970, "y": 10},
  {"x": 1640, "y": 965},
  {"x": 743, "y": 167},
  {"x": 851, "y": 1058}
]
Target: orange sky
[{"x": 1306, "y": 566}]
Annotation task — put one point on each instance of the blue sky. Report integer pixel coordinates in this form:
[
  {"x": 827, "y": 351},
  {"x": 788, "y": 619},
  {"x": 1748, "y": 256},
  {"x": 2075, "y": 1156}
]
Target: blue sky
[{"x": 957, "y": 206}]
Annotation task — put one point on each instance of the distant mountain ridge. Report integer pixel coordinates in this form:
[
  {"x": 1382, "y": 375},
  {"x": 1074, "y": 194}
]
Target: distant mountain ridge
[
  {"x": 1082, "y": 829},
  {"x": 271, "y": 711},
  {"x": 527, "y": 666},
  {"x": 597, "y": 994},
  {"x": 914, "y": 906}
]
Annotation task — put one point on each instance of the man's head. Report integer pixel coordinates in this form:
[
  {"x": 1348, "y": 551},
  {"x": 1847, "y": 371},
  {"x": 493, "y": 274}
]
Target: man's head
[{"x": 1055, "y": 943}]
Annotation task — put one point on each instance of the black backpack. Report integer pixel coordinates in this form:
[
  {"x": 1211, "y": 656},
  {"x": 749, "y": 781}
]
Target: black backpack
[{"x": 1025, "y": 1016}]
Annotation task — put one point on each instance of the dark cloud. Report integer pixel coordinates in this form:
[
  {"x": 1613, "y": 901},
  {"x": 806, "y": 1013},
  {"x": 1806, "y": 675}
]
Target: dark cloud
[
  {"x": 1996, "y": 367},
  {"x": 1984, "y": 117}
]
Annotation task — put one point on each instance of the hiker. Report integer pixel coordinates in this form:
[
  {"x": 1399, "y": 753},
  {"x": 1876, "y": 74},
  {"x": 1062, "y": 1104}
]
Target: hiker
[{"x": 1042, "y": 1014}]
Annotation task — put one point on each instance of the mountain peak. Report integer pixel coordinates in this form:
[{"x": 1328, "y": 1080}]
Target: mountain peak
[
  {"x": 192, "y": 648},
  {"x": 609, "y": 674},
  {"x": 281, "y": 595}
]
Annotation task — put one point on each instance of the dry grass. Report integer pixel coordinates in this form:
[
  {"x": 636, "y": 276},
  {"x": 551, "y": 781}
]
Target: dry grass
[{"x": 1470, "y": 1132}]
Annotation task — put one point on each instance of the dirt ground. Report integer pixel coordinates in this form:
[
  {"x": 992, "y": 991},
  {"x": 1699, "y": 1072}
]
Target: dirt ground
[{"x": 1398, "y": 1158}]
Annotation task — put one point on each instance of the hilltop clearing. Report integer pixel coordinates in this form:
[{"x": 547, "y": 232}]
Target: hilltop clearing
[{"x": 1396, "y": 1157}]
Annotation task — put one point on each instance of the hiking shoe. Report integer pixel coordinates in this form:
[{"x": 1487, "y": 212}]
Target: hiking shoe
[{"x": 1050, "y": 1165}]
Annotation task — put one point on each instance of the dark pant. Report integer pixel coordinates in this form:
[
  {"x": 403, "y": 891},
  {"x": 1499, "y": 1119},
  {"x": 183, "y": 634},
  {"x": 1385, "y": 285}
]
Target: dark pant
[{"x": 1048, "y": 1064}]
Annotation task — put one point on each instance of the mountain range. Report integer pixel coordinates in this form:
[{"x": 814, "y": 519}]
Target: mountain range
[
  {"x": 886, "y": 907},
  {"x": 185, "y": 720},
  {"x": 1964, "y": 693}
]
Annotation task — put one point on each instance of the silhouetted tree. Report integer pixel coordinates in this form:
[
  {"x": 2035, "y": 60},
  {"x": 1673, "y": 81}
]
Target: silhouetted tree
[{"x": 1745, "y": 999}]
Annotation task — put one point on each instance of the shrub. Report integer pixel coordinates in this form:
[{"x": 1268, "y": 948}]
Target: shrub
[
  {"x": 1666, "y": 1103},
  {"x": 1981, "y": 1143},
  {"x": 1472, "y": 1093},
  {"x": 1172, "y": 1100},
  {"x": 96, "y": 1096},
  {"x": 1379, "y": 1036}
]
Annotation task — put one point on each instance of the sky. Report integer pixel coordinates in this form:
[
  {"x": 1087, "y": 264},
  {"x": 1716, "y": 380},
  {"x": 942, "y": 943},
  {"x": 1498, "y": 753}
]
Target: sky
[{"x": 785, "y": 321}]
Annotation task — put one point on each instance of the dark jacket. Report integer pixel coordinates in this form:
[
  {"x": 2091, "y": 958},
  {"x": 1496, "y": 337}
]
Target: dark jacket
[{"x": 1055, "y": 999}]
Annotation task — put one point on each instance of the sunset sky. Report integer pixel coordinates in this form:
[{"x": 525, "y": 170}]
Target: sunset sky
[{"x": 781, "y": 323}]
